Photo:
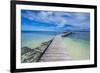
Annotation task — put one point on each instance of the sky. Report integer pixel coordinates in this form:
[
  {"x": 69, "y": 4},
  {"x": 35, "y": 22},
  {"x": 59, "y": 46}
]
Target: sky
[{"x": 33, "y": 20}]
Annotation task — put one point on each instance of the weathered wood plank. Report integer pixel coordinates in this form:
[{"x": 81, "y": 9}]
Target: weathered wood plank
[{"x": 57, "y": 51}]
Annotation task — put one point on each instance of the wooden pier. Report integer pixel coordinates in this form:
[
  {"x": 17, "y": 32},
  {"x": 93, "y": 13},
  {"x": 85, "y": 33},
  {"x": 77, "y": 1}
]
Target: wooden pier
[
  {"x": 66, "y": 34},
  {"x": 57, "y": 51}
]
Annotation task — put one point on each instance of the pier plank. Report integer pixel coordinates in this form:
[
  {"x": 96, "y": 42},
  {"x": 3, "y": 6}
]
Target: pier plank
[{"x": 57, "y": 51}]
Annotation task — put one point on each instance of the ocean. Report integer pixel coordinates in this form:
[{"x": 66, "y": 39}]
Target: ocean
[
  {"x": 78, "y": 43},
  {"x": 33, "y": 39}
]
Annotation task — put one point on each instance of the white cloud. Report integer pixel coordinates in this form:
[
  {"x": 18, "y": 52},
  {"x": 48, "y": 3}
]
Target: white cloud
[{"x": 60, "y": 18}]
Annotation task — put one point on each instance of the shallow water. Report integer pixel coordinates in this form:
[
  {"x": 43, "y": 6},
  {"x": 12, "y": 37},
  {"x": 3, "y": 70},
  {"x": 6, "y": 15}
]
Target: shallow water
[
  {"x": 34, "y": 39},
  {"x": 78, "y": 45}
]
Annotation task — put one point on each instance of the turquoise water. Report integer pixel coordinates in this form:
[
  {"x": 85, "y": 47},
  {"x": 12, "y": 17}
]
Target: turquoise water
[
  {"x": 78, "y": 43},
  {"x": 35, "y": 38}
]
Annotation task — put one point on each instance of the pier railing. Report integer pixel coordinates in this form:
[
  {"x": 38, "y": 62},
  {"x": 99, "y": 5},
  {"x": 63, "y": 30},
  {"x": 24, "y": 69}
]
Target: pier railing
[{"x": 44, "y": 50}]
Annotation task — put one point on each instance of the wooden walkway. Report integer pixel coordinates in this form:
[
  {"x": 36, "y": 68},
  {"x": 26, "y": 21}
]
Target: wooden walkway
[{"x": 56, "y": 51}]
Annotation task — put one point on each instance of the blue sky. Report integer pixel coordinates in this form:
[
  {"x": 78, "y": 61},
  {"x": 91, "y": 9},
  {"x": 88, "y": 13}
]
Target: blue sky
[{"x": 33, "y": 20}]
